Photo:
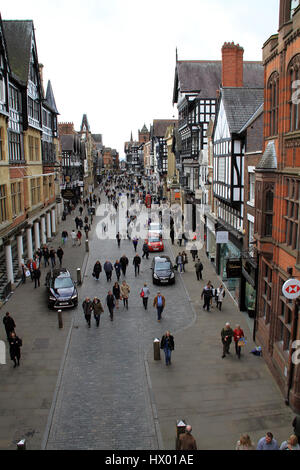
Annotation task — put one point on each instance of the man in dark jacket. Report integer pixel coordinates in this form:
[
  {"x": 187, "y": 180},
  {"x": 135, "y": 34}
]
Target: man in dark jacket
[
  {"x": 15, "y": 344},
  {"x": 296, "y": 424},
  {"x": 186, "y": 440},
  {"x": 136, "y": 262},
  {"x": 124, "y": 263},
  {"x": 9, "y": 324},
  {"x": 36, "y": 277},
  {"x": 207, "y": 295},
  {"x": 199, "y": 269},
  {"x": 167, "y": 344},
  {"x": 87, "y": 306},
  {"x": 110, "y": 302},
  {"x": 108, "y": 268},
  {"x": 145, "y": 250},
  {"x": 60, "y": 254},
  {"x": 226, "y": 336}
]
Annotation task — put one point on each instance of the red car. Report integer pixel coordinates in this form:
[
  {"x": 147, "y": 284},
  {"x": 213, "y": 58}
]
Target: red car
[{"x": 155, "y": 242}]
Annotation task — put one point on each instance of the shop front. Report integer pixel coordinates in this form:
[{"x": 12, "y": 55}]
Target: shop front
[
  {"x": 210, "y": 238},
  {"x": 230, "y": 269}
]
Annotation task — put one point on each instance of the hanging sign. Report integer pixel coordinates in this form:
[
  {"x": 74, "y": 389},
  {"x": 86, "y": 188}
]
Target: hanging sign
[
  {"x": 291, "y": 289},
  {"x": 222, "y": 237}
]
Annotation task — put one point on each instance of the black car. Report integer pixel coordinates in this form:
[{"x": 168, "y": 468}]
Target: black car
[
  {"x": 162, "y": 270},
  {"x": 61, "y": 290}
]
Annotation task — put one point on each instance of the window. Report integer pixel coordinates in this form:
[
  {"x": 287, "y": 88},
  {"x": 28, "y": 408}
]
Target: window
[
  {"x": 292, "y": 212},
  {"x": 294, "y": 5},
  {"x": 16, "y": 198},
  {"x": 14, "y": 146},
  {"x": 294, "y": 102},
  {"x": 14, "y": 102},
  {"x": 3, "y": 203},
  {"x": 2, "y": 157},
  {"x": 251, "y": 187},
  {"x": 269, "y": 213},
  {"x": 35, "y": 191},
  {"x": 273, "y": 94}
]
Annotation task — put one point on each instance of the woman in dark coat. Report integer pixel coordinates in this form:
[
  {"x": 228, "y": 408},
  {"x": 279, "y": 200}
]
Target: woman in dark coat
[
  {"x": 117, "y": 267},
  {"x": 15, "y": 344},
  {"x": 117, "y": 293},
  {"x": 97, "y": 270},
  {"x": 97, "y": 309},
  {"x": 167, "y": 344}
]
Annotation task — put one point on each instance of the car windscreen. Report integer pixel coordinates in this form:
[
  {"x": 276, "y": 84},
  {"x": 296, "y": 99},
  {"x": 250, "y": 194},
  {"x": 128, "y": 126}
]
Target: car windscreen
[
  {"x": 63, "y": 283},
  {"x": 162, "y": 266},
  {"x": 155, "y": 240}
]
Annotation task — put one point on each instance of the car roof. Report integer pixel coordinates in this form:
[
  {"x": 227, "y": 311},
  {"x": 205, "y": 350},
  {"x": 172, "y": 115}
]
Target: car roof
[
  {"x": 161, "y": 258},
  {"x": 61, "y": 272}
]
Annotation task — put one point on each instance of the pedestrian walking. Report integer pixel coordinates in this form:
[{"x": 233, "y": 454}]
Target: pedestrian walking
[
  {"x": 226, "y": 336},
  {"x": 136, "y": 262},
  {"x": 159, "y": 302},
  {"x": 37, "y": 276},
  {"x": 207, "y": 295},
  {"x": 87, "y": 306},
  {"x": 24, "y": 270},
  {"x": 220, "y": 294},
  {"x": 238, "y": 334},
  {"x": 108, "y": 269},
  {"x": 244, "y": 443},
  {"x": 15, "y": 344},
  {"x": 145, "y": 293},
  {"x": 86, "y": 231},
  {"x": 185, "y": 260},
  {"x": 194, "y": 252},
  {"x": 80, "y": 210},
  {"x": 73, "y": 237},
  {"x": 118, "y": 237},
  {"x": 179, "y": 262},
  {"x": 117, "y": 293},
  {"x": 31, "y": 265},
  {"x": 186, "y": 440},
  {"x": 52, "y": 254},
  {"x": 125, "y": 290},
  {"x": 39, "y": 256},
  {"x": 79, "y": 237},
  {"x": 60, "y": 254},
  {"x": 97, "y": 270},
  {"x": 124, "y": 263},
  {"x": 267, "y": 443},
  {"x": 9, "y": 324},
  {"x": 110, "y": 302},
  {"x": 77, "y": 222},
  {"x": 172, "y": 235},
  {"x": 167, "y": 344},
  {"x": 97, "y": 309},
  {"x": 145, "y": 250},
  {"x": 64, "y": 237},
  {"x": 290, "y": 444},
  {"x": 198, "y": 269},
  {"x": 117, "y": 267},
  {"x": 296, "y": 426},
  {"x": 135, "y": 243}
]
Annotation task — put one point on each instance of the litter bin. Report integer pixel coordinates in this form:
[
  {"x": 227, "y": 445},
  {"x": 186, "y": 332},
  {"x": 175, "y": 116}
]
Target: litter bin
[
  {"x": 156, "y": 349},
  {"x": 180, "y": 429},
  {"x": 60, "y": 320},
  {"x": 79, "y": 276},
  {"x": 87, "y": 249}
]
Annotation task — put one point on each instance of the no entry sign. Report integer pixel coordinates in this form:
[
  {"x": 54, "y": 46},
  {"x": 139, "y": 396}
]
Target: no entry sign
[{"x": 291, "y": 289}]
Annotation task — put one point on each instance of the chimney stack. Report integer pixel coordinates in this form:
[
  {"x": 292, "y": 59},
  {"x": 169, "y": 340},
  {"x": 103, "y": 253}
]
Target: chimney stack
[
  {"x": 42, "y": 77},
  {"x": 232, "y": 65}
]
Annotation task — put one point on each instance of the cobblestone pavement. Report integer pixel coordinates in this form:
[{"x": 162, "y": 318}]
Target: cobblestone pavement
[{"x": 103, "y": 400}]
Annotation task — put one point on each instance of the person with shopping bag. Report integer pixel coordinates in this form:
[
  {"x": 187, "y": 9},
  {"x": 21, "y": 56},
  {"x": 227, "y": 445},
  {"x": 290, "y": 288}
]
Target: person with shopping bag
[{"x": 239, "y": 340}]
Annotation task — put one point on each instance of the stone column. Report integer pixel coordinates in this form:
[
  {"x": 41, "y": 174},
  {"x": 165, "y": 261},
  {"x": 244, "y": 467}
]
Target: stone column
[
  {"x": 37, "y": 235},
  {"x": 48, "y": 226},
  {"x": 29, "y": 243},
  {"x": 43, "y": 230},
  {"x": 53, "y": 220},
  {"x": 20, "y": 249},
  {"x": 9, "y": 262}
]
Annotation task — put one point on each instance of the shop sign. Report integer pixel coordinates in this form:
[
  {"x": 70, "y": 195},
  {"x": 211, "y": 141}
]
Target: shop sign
[
  {"x": 222, "y": 237},
  {"x": 234, "y": 268},
  {"x": 198, "y": 193},
  {"x": 291, "y": 289},
  {"x": 68, "y": 194}
]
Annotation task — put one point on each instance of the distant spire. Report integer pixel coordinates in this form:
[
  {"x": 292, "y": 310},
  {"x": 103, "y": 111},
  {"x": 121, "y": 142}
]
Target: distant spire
[
  {"x": 131, "y": 138},
  {"x": 176, "y": 55}
]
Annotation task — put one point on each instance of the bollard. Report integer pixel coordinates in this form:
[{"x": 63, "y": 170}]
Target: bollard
[
  {"x": 87, "y": 245},
  {"x": 21, "y": 445},
  {"x": 180, "y": 428},
  {"x": 79, "y": 276},
  {"x": 156, "y": 347},
  {"x": 60, "y": 320}
]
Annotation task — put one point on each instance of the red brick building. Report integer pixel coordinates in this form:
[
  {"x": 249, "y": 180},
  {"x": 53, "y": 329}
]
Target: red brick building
[{"x": 277, "y": 191}]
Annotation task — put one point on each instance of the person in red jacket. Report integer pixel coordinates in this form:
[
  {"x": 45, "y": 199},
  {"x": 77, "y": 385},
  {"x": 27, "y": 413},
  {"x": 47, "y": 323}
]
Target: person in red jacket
[
  {"x": 31, "y": 265},
  {"x": 238, "y": 334}
]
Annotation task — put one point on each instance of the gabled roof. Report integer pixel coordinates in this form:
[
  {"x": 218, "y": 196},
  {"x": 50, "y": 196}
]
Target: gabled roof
[
  {"x": 97, "y": 138},
  {"x": 3, "y": 44},
  {"x": 160, "y": 126},
  {"x": 50, "y": 100},
  {"x": 268, "y": 160},
  {"x": 257, "y": 113},
  {"x": 204, "y": 77},
  {"x": 18, "y": 35},
  {"x": 240, "y": 104},
  {"x": 144, "y": 129}
]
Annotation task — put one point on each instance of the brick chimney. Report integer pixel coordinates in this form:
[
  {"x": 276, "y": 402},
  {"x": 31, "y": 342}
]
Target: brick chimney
[
  {"x": 232, "y": 65},
  {"x": 65, "y": 128}
]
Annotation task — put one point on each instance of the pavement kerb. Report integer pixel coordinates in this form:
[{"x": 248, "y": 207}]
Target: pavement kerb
[{"x": 62, "y": 367}]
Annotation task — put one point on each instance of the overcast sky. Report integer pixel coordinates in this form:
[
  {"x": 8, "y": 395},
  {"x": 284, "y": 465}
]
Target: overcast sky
[{"x": 115, "y": 59}]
